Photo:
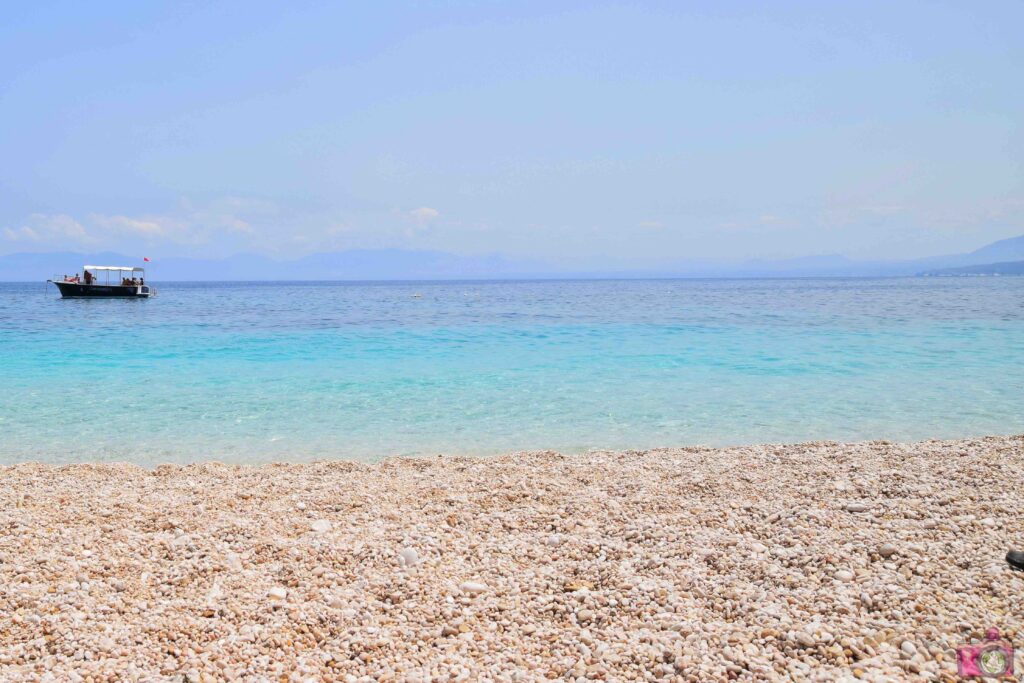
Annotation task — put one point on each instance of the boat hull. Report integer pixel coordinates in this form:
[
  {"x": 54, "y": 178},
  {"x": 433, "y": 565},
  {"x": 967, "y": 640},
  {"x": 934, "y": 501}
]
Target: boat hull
[{"x": 73, "y": 290}]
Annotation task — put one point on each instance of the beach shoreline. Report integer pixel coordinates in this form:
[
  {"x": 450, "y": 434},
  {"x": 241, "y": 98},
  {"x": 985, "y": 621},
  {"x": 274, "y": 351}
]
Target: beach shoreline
[{"x": 805, "y": 561}]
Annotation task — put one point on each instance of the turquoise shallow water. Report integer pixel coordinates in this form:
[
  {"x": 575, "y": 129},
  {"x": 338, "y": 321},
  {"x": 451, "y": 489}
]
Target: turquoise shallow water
[{"x": 255, "y": 372}]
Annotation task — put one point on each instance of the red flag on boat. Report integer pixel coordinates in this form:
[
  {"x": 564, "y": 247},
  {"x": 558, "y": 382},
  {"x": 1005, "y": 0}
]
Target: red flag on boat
[{"x": 145, "y": 258}]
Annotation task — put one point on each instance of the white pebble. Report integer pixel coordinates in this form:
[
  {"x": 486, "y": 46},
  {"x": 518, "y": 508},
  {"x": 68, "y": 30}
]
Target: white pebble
[
  {"x": 803, "y": 639},
  {"x": 408, "y": 557},
  {"x": 320, "y": 526},
  {"x": 234, "y": 562},
  {"x": 472, "y": 587}
]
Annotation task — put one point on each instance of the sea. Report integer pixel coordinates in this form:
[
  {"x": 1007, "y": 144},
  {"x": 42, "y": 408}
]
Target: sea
[{"x": 249, "y": 372}]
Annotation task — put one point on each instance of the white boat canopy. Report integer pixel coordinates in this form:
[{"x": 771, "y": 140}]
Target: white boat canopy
[{"x": 121, "y": 268}]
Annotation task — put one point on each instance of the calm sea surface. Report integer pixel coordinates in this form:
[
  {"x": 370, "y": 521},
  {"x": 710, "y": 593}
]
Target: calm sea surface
[{"x": 251, "y": 372}]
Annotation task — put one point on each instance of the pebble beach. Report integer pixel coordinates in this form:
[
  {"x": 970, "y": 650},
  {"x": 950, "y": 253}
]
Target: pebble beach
[{"x": 816, "y": 561}]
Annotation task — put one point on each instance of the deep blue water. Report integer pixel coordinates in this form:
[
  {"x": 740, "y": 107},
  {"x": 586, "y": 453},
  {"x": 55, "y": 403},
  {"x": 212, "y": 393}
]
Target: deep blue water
[{"x": 256, "y": 371}]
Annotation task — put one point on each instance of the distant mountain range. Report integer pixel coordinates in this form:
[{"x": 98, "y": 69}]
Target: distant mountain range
[
  {"x": 1002, "y": 257},
  {"x": 355, "y": 264},
  {"x": 1007, "y": 268}
]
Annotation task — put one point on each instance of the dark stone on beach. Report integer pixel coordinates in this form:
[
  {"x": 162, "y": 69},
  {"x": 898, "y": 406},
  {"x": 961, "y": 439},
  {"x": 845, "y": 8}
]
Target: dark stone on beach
[{"x": 1015, "y": 558}]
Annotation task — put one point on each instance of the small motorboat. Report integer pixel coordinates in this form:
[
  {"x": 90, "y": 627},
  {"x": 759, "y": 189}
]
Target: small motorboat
[{"x": 132, "y": 286}]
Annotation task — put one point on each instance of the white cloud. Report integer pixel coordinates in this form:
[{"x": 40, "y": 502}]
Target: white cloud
[
  {"x": 57, "y": 229},
  {"x": 231, "y": 224},
  {"x": 652, "y": 225},
  {"x": 147, "y": 227},
  {"x": 424, "y": 214},
  {"x": 214, "y": 220},
  {"x": 188, "y": 225},
  {"x": 22, "y": 233},
  {"x": 231, "y": 214}
]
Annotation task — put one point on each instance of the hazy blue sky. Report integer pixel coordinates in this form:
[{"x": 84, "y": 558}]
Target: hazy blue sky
[{"x": 584, "y": 134}]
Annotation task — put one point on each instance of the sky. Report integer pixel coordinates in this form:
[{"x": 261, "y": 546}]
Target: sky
[{"x": 584, "y": 134}]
